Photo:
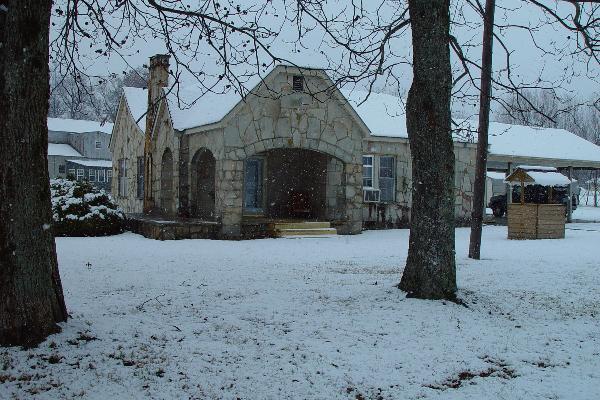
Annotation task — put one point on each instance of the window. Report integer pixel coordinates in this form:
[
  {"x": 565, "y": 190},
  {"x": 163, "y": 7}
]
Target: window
[
  {"x": 62, "y": 168},
  {"x": 108, "y": 175},
  {"x": 100, "y": 174},
  {"x": 387, "y": 178},
  {"x": 368, "y": 171},
  {"x": 122, "y": 177},
  {"x": 92, "y": 175},
  {"x": 298, "y": 83},
  {"x": 140, "y": 177},
  {"x": 98, "y": 144},
  {"x": 80, "y": 174},
  {"x": 71, "y": 172}
]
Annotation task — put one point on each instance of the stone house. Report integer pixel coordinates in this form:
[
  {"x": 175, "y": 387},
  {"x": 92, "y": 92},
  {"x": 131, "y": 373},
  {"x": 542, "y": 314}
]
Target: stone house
[{"x": 294, "y": 147}]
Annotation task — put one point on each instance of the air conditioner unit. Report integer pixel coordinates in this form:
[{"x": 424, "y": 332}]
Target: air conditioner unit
[{"x": 371, "y": 195}]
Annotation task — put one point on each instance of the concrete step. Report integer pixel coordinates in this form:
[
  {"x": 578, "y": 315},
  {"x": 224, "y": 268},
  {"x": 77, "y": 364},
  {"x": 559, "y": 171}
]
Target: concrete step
[
  {"x": 306, "y": 232},
  {"x": 301, "y": 225}
]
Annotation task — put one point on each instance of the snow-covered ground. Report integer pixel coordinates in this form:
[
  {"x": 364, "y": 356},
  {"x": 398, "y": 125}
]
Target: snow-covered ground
[
  {"x": 587, "y": 213},
  {"x": 317, "y": 319}
]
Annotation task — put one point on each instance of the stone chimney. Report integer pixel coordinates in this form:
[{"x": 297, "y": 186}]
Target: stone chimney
[{"x": 158, "y": 79}]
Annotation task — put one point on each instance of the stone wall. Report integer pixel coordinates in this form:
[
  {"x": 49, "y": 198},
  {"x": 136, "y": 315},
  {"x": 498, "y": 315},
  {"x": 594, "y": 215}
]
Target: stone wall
[
  {"x": 398, "y": 212},
  {"x": 165, "y": 138},
  {"x": 127, "y": 142},
  {"x": 335, "y": 189}
]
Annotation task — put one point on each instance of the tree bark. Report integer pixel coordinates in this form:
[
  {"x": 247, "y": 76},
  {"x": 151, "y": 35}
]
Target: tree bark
[
  {"x": 430, "y": 270},
  {"x": 31, "y": 298},
  {"x": 482, "y": 134}
]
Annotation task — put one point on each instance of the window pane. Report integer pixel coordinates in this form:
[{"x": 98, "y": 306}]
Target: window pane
[
  {"x": 367, "y": 176},
  {"x": 367, "y": 160},
  {"x": 386, "y": 167},
  {"x": 387, "y": 181}
]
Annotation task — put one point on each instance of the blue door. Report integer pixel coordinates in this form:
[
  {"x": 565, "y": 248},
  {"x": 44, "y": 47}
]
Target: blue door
[{"x": 253, "y": 186}]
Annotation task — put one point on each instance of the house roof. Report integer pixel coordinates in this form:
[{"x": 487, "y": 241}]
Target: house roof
[
  {"x": 384, "y": 115},
  {"x": 137, "y": 102},
  {"x": 59, "y": 149},
  {"x": 93, "y": 163},
  {"x": 78, "y": 125}
]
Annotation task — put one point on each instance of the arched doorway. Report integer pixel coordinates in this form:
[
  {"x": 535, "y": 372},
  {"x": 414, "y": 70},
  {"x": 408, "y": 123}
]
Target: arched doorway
[
  {"x": 166, "y": 183},
  {"x": 295, "y": 183},
  {"x": 202, "y": 174}
]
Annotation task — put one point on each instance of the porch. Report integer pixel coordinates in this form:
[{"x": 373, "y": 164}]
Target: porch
[{"x": 253, "y": 227}]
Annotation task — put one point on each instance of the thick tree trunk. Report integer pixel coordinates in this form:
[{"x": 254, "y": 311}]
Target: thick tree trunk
[
  {"x": 31, "y": 298},
  {"x": 430, "y": 270},
  {"x": 482, "y": 136}
]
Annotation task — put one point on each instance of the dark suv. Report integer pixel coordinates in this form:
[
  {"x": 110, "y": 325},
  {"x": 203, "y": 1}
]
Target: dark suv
[{"x": 533, "y": 194}]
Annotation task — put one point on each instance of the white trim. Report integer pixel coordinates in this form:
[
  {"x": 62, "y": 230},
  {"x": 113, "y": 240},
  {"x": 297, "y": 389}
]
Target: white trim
[{"x": 372, "y": 166}]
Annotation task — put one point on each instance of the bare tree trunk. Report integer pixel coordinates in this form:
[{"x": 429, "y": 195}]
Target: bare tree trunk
[
  {"x": 430, "y": 268},
  {"x": 482, "y": 135},
  {"x": 31, "y": 298}
]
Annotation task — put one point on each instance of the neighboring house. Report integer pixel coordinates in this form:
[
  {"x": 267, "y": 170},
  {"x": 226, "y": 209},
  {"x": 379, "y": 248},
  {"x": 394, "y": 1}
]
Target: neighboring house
[
  {"x": 90, "y": 138},
  {"x": 294, "y": 147},
  {"x": 58, "y": 153},
  {"x": 80, "y": 148},
  {"x": 97, "y": 172}
]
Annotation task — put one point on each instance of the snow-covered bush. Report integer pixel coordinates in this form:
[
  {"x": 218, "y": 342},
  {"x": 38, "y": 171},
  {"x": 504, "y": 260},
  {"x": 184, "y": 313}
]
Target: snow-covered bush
[{"x": 80, "y": 209}]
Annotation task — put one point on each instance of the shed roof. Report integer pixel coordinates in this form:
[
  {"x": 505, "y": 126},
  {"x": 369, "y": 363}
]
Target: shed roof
[{"x": 544, "y": 177}]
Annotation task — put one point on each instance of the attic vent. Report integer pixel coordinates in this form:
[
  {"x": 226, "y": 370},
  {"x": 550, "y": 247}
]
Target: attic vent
[{"x": 298, "y": 83}]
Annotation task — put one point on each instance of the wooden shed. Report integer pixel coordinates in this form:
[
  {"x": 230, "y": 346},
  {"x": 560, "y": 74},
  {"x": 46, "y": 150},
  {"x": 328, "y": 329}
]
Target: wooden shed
[{"x": 533, "y": 220}]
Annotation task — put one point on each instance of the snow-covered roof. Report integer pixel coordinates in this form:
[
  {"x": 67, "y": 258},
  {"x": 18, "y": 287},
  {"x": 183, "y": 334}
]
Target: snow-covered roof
[
  {"x": 538, "y": 176},
  {"x": 137, "y": 101},
  {"x": 537, "y": 168},
  {"x": 383, "y": 114},
  {"x": 78, "y": 125},
  {"x": 529, "y": 141},
  {"x": 189, "y": 105},
  {"x": 93, "y": 163},
  {"x": 495, "y": 175},
  {"x": 59, "y": 149}
]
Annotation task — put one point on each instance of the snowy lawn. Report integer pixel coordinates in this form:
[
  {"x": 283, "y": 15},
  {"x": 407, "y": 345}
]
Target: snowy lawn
[
  {"x": 587, "y": 213},
  {"x": 317, "y": 319}
]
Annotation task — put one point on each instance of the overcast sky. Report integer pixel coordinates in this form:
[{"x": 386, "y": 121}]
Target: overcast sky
[{"x": 529, "y": 63}]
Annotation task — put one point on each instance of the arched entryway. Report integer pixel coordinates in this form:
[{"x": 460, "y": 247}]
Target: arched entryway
[
  {"x": 202, "y": 174},
  {"x": 294, "y": 183},
  {"x": 166, "y": 183}
]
